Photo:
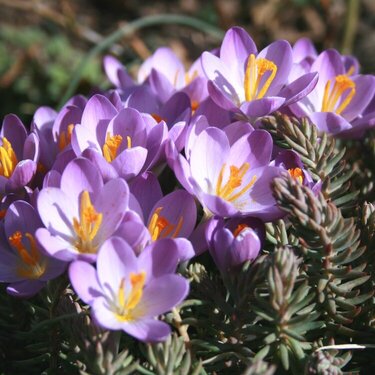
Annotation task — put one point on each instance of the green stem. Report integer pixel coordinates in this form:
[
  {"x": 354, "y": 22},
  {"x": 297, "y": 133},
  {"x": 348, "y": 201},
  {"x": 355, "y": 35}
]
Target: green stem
[
  {"x": 129, "y": 29},
  {"x": 352, "y": 15}
]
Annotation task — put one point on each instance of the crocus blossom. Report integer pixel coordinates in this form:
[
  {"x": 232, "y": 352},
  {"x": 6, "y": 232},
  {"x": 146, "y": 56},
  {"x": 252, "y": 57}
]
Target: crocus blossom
[{"x": 127, "y": 292}]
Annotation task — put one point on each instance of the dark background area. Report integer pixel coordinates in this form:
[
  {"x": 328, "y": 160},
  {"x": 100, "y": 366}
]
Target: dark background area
[{"x": 42, "y": 42}]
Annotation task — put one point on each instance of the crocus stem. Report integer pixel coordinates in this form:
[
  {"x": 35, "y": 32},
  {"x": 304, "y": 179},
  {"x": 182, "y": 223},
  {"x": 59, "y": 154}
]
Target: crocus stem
[{"x": 129, "y": 29}]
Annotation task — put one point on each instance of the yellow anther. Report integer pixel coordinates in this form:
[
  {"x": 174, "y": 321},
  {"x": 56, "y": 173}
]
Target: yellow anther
[
  {"x": 127, "y": 303},
  {"x": 87, "y": 226},
  {"x": 32, "y": 266},
  {"x": 236, "y": 175},
  {"x": 342, "y": 84},
  {"x": 160, "y": 227},
  {"x": 129, "y": 141},
  {"x": 255, "y": 70},
  {"x": 297, "y": 174},
  {"x": 111, "y": 146},
  {"x": 65, "y": 137},
  {"x": 8, "y": 159},
  {"x": 190, "y": 78}
]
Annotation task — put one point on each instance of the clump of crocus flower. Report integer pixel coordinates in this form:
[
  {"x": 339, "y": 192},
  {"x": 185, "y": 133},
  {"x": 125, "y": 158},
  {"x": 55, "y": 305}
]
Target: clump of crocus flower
[{"x": 84, "y": 189}]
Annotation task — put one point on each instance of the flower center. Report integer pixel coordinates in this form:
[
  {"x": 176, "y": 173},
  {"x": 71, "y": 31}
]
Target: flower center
[
  {"x": 126, "y": 303},
  {"x": 8, "y": 159},
  {"x": 87, "y": 226},
  {"x": 65, "y": 137},
  {"x": 111, "y": 146},
  {"x": 31, "y": 266},
  {"x": 160, "y": 227},
  {"x": 297, "y": 174},
  {"x": 343, "y": 88},
  {"x": 229, "y": 191},
  {"x": 255, "y": 70}
]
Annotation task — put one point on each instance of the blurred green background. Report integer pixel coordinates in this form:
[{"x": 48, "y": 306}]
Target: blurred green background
[{"x": 42, "y": 42}]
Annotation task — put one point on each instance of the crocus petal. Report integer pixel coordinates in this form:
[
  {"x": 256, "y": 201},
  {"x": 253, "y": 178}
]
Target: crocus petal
[
  {"x": 116, "y": 72},
  {"x": 159, "y": 258},
  {"x": 15, "y": 132},
  {"x": 328, "y": 64},
  {"x": 21, "y": 216},
  {"x": 80, "y": 175},
  {"x": 22, "y": 175},
  {"x": 116, "y": 259},
  {"x": 262, "y": 107},
  {"x": 210, "y": 153},
  {"x": 25, "y": 289},
  {"x": 365, "y": 89},
  {"x": 57, "y": 211},
  {"x": 329, "y": 122},
  {"x": 161, "y": 295},
  {"x": 84, "y": 281},
  {"x": 184, "y": 212},
  {"x": 147, "y": 190},
  {"x": 280, "y": 53},
  {"x": 83, "y": 138},
  {"x": 107, "y": 171},
  {"x": 222, "y": 78},
  {"x": 161, "y": 85},
  {"x": 130, "y": 162},
  {"x": 236, "y": 48},
  {"x": 97, "y": 110},
  {"x": 111, "y": 202},
  {"x": 299, "y": 88},
  {"x": 148, "y": 330}
]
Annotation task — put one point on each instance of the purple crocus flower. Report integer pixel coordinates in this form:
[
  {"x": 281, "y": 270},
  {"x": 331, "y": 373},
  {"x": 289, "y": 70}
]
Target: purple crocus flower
[
  {"x": 118, "y": 142},
  {"x": 234, "y": 242},
  {"x": 291, "y": 161},
  {"x": 127, "y": 292},
  {"x": 23, "y": 264},
  {"x": 19, "y": 154},
  {"x": 82, "y": 213},
  {"x": 338, "y": 98},
  {"x": 229, "y": 179},
  {"x": 254, "y": 84},
  {"x": 166, "y": 74}
]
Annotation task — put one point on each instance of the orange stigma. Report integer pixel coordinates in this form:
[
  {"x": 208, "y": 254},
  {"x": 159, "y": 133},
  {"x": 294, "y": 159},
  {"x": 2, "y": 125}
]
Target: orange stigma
[
  {"x": 239, "y": 229},
  {"x": 31, "y": 266},
  {"x": 342, "y": 85},
  {"x": 297, "y": 174},
  {"x": 160, "y": 227},
  {"x": 255, "y": 70},
  {"x": 87, "y": 226},
  {"x": 228, "y": 190},
  {"x": 125, "y": 304}
]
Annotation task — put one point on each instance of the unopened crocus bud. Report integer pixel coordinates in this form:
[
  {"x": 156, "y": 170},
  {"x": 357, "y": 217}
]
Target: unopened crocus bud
[{"x": 233, "y": 242}]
